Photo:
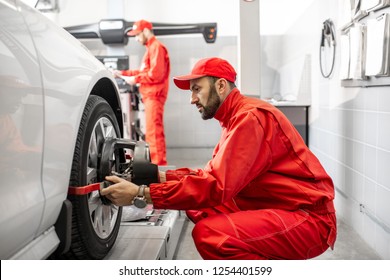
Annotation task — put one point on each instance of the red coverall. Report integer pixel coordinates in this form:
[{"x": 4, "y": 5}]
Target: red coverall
[
  {"x": 153, "y": 77},
  {"x": 264, "y": 194}
]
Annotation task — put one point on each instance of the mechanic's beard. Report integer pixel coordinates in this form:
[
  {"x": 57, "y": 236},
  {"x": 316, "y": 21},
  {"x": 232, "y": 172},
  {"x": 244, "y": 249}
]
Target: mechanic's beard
[{"x": 213, "y": 103}]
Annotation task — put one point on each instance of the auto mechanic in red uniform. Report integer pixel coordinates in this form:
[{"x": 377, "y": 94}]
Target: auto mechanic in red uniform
[
  {"x": 153, "y": 78},
  {"x": 263, "y": 195}
]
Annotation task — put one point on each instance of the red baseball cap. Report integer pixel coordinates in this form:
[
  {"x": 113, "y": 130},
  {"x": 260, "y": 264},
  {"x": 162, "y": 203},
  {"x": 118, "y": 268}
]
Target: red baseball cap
[
  {"x": 139, "y": 26},
  {"x": 214, "y": 66}
]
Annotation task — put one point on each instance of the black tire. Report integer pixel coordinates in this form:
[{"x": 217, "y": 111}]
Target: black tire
[{"x": 95, "y": 225}]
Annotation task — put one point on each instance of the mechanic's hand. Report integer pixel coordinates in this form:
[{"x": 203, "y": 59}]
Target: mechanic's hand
[
  {"x": 116, "y": 73},
  {"x": 121, "y": 193},
  {"x": 130, "y": 80}
]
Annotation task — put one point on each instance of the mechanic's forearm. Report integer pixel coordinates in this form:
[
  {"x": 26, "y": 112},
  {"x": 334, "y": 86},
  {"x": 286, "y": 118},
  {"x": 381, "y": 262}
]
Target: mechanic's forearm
[{"x": 162, "y": 179}]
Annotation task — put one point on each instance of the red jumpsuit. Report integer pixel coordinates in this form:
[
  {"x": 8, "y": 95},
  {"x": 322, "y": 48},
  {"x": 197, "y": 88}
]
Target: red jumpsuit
[
  {"x": 153, "y": 77},
  {"x": 263, "y": 195}
]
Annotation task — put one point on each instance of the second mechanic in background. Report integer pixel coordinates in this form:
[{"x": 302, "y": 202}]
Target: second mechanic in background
[{"x": 153, "y": 80}]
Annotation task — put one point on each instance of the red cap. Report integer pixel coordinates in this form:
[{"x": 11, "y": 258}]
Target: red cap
[
  {"x": 214, "y": 66},
  {"x": 139, "y": 26}
]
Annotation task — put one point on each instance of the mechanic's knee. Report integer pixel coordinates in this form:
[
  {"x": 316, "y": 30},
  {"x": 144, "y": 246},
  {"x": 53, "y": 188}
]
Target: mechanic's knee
[
  {"x": 204, "y": 238},
  {"x": 196, "y": 215}
]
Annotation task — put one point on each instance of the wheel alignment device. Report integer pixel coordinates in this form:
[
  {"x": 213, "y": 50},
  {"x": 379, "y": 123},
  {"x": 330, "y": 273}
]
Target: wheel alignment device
[{"x": 135, "y": 167}]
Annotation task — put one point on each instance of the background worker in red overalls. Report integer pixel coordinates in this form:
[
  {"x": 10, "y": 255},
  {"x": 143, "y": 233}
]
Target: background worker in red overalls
[
  {"x": 263, "y": 195},
  {"x": 153, "y": 78}
]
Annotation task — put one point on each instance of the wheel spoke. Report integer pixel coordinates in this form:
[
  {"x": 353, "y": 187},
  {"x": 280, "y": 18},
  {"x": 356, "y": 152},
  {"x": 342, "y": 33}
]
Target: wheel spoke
[
  {"x": 97, "y": 221},
  {"x": 91, "y": 175},
  {"x": 110, "y": 132},
  {"x": 106, "y": 218},
  {"x": 100, "y": 132},
  {"x": 93, "y": 202},
  {"x": 93, "y": 152}
]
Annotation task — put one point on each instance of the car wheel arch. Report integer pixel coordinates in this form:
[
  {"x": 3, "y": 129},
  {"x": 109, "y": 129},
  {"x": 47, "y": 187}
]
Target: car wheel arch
[{"x": 107, "y": 90}]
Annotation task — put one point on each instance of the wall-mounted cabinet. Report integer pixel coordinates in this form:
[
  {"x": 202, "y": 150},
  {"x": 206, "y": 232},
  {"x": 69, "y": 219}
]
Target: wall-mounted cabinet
[{"x": 365, "y": 45}]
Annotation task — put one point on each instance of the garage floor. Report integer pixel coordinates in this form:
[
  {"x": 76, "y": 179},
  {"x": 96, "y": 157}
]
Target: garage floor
[{"x": 349, "y": 245}]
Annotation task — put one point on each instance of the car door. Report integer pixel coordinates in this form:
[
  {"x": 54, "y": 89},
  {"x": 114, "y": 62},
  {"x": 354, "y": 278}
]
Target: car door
[{"x": 21, "y": 134}]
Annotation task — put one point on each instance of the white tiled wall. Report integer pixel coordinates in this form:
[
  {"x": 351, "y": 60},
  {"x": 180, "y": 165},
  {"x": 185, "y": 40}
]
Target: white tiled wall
[{"x": 349, "y": 132}]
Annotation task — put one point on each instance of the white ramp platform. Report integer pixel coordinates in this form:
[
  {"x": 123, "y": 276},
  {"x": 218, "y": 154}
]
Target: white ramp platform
[{"x": 155, "y": 238}]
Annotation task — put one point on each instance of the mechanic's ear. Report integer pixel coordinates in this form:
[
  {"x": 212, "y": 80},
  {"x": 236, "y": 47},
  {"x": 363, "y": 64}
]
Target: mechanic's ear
[{"x": 222, "y": 85}]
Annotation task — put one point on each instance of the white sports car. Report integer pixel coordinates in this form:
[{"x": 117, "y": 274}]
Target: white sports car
[{"x": 58, "y": 105}]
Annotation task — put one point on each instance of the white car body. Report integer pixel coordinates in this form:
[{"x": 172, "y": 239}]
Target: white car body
[{"x": 52, "y": 75}]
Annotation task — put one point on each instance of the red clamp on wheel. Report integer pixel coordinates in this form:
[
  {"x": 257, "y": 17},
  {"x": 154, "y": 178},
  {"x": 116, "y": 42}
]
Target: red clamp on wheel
[{"x": 82, "y": 190}]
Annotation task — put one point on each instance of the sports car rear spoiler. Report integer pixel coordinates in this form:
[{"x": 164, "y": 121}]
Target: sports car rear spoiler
[{"x": 114, "y": 31}]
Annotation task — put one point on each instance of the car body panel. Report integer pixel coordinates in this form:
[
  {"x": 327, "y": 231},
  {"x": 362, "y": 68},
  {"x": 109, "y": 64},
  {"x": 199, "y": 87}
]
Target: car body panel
[
  {"x": 20, "y": 164},
  {"x": 67, "y": 76},
  {"x": 57, "y": 74}
]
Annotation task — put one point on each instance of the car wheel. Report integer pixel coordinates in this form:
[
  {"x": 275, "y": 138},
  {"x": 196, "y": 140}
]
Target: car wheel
[{"x": 95, "y": 224}]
